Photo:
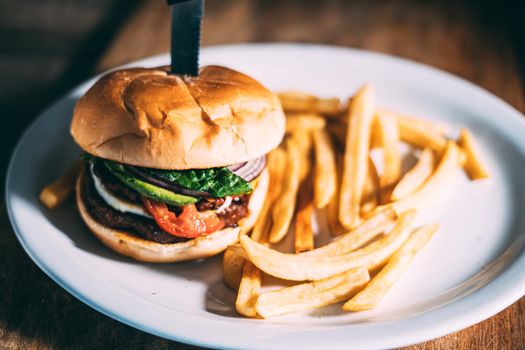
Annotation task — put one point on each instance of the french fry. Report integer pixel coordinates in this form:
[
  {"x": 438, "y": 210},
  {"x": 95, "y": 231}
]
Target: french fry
[
  {"x": 325, "y": 173},
  {"x": 56, "y": 193},
  {"x": 473, "y": 165},
  {"x": 251, "y": 279},
  {"x": 302, "y": 225},
  {"x": 369, "y": 297},
  {"x": 355, "y": 167},
  {"x": 312, "y": 295},
  {"x": 263, "y": 224},
  {"x": 232, "y": 264},
  {"x": 301, "y": 102},
  {"x": 416, "y": 132},
  {"x": 303, "y": 139},
  {"x": 420, "y": 136},
  {"x": 306, "y": 122},
  {"x": 426, "y": 195},
  {"x": 420, "y": 133},
  {"x": 276, "y": 167},
  {"x": 369, "y": 199},
  {"x": 389, "y": 139},
  {"x": 415, "y": 177},
  {"x": 437, "y": 127},
  {"x": 332, "y": 210},
  {"x": 365, "y": 232},
  {"x": 284, "y": 206},
  {"x": 249, "y": 288},
  {"x": 303, "y": 233},
  {"x": 299, "y": 267},
  {"x": 379, "y": 222}
]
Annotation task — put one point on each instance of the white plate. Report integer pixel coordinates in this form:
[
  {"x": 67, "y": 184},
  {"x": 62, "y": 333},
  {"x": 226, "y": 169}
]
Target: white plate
[{"x": 472, "y": 269}]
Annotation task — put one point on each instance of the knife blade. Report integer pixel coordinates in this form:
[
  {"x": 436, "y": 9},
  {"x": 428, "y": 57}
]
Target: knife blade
[{"x": 186, "y": 19}]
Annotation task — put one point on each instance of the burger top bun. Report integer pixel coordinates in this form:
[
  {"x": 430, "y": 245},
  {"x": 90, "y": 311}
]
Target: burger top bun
[{"x": 148, "y": 118}]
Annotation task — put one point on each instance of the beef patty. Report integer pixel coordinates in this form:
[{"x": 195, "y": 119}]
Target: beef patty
[{"x": 144, "y": 227}]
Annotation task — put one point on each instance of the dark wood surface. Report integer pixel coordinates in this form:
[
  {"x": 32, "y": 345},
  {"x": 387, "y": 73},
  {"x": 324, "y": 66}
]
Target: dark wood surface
[{"x": 47, "y": 47}]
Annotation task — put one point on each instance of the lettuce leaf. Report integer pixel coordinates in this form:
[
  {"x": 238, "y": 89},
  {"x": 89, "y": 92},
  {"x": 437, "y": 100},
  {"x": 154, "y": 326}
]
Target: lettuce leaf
[{"x": 219, "y": 182}]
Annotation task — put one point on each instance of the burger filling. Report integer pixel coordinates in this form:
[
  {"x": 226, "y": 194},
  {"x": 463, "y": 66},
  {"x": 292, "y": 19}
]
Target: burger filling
[{"x": 168, "y": 206}]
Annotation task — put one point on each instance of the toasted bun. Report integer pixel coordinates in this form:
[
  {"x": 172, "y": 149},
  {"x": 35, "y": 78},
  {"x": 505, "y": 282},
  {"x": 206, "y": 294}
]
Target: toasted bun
[
  {"x": 146, "y": 117},
  {"x": 140, "y": 249}
]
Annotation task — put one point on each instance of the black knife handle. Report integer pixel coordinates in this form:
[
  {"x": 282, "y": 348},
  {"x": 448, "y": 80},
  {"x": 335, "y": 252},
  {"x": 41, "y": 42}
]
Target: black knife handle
[
  {"x": 173, "y": 2},
  {"x": 185, "y": 36}
]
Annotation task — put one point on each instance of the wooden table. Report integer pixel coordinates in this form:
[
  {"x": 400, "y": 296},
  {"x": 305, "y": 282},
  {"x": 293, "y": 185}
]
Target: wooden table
[{"x": 473, "y": 40}]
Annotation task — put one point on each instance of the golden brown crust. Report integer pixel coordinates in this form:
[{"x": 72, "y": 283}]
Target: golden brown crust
[
  {"x": 146, "y": 117},
  {"x": 140, "y": 249}
]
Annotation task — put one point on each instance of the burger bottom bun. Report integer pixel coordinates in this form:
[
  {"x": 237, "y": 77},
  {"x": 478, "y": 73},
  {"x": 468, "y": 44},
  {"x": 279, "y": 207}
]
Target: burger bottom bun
[{"x": 140, "y": 249}]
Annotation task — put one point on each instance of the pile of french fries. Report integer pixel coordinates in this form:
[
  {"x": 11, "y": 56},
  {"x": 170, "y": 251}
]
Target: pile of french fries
[{"x": 324, "y": 167}]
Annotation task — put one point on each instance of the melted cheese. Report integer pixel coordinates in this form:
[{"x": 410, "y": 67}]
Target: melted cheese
[{"x": 115, "y": 202}]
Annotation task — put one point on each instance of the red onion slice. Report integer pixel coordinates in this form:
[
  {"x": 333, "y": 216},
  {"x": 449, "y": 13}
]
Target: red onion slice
[
  {"x": 251, "y": 169},
  {"x": 235, "y": 167}
]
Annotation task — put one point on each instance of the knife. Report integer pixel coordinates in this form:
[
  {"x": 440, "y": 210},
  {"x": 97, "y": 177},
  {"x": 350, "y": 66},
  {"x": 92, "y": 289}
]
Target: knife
[{"x": 186, "y": 18}]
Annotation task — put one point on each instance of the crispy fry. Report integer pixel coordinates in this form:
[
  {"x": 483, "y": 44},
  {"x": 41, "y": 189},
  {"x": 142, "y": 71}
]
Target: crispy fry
[
  {"x": 420, "y": 136},
  {"x": 302, "y": 226},
  {"x": 437, "y": 127},
  {"x": 416, "y": 132},
  {"x": 263, "y": 223},
  {"x": 375, "y": 137},
  {"x": 474, "y": 165},
  {"x": 301, "y": 102},
  {"x": 303, "y": 139},
  {"x": 365, "y": 232},
  {"x": 369, "y": 297},
  {"x": 389, "y": 139},
  {"x": 304, "y": 121},
  {"x": 299, "y": 267},
  {"x": 415, "y": 177},
  {"x": 420, "y": 133},
  {"x": 284, "y": 206},
  {"x": 369, "y": 199},
  {"x": 427, "y": 194},
  {"x": 303, "y": 233},
  {"x": 232, "y": 264},
  {"x": 276, "y": 166},
  {"x": 251, "y": 279},
  {"x": 332, "y": 210},
  {"x": 355, "y": 167},
  {"x": 56, "y": 193},
  {"x": 249, "y": 288},
  {"x": 311, "y": 295},
  {"x": 325, "y": 175}
]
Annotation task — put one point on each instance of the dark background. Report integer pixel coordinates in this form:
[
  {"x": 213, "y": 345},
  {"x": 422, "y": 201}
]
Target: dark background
[{"x": 48, "y": 47}]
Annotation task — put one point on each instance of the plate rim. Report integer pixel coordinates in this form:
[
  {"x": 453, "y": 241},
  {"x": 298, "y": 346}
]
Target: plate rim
[{"x": 474, "y": 314}]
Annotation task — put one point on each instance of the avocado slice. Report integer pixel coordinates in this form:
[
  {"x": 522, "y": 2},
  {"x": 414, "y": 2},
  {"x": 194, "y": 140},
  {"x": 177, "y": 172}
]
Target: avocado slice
[{"x": 147, "y": 189}]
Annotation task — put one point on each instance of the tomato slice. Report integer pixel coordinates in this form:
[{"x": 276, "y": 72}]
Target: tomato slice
[{"x": 189, "y": 224}]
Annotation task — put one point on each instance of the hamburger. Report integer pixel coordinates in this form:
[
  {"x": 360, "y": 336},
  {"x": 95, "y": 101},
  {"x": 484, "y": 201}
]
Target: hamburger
[{"x": 175, "y": 166}]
